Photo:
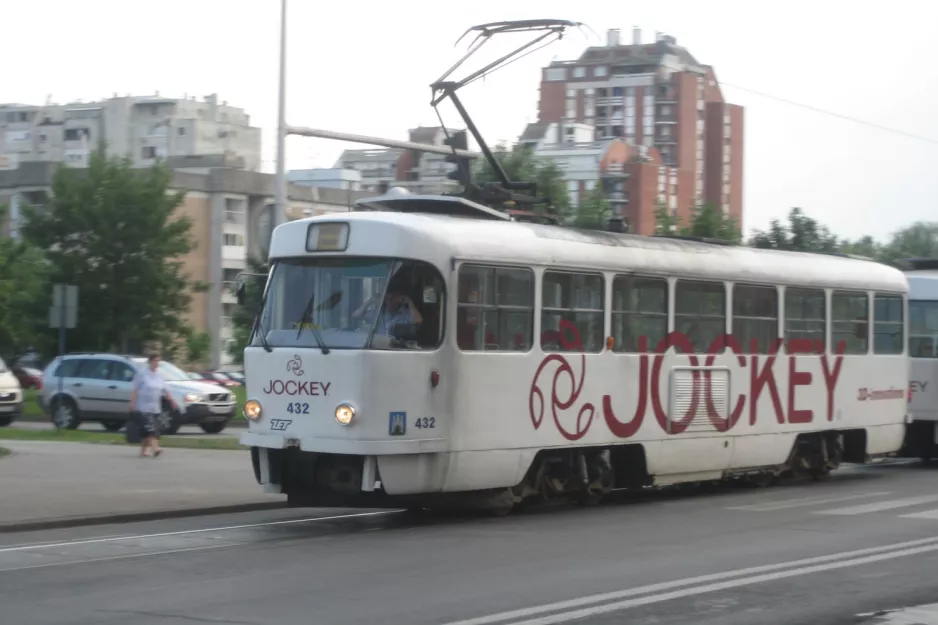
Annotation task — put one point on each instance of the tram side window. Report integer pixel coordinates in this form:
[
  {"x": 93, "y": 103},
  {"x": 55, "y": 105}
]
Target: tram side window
[
  {"x": 639, "y": 308},
  {"x": 700, "y": 312},
  {"x": 923, "y": 329},
  {"x": 578, "y": 299},
  {"x": 805, "y": 315},
  {"x": 887, "y": 324},
  {"x": 850, "y": 321},
  {"x": 495, "y": 311},
  {"x": 755, "y": 317}
]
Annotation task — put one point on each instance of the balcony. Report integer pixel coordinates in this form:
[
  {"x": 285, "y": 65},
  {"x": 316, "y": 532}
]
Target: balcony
[{"x": 666, "y": 119}]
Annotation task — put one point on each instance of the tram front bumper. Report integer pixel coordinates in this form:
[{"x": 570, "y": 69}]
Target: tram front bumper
[{"x": 349, "y": 446}]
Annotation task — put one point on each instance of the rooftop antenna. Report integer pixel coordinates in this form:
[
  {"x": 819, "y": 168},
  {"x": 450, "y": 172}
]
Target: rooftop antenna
[{"x": 501, "y": 192}]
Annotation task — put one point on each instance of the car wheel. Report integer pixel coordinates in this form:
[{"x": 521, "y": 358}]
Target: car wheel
[
  {"x": 5, "y": 421},
  {"x": 214, "y": 427},
  {"x": 167, "y": 422},
  {"x": 65, "y": 415},
  {"x": 112, "y": 426}
]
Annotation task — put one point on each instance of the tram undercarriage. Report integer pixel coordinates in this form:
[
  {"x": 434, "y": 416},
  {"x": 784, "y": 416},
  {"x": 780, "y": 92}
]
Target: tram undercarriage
[{"x": 563, "y": 476}]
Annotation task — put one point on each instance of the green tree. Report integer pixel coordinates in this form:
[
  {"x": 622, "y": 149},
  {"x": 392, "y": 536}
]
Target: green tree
[
  {"x": 708, "y": 221},
  {"x": 666, "y": 222},
  {"x": 198, "y": 345},
  {"x": 801, "y": 233},
  {"x": 918, "y": 240},
  {"x": 242, "y": 320},
  {"x": 520, "y": 164},
  {"x": 111, "y": 230},
  {"x": 864, "y": 246},
  {"x": 593, "y": 210},
  {"x": 25, "y": 296}
]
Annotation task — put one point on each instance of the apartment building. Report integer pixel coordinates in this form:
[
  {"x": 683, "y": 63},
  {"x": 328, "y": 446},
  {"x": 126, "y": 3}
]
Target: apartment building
[
  {"x": 419, "y": 172},
  {"x": 634, "y": 177},
  {"x": 143, "y": 127},
  {"x": 231, "y": 210},
  {"x": 655, "y": 95}
]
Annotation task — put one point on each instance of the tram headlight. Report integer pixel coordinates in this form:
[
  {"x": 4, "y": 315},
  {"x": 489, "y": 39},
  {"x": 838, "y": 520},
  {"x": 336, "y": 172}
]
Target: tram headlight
[
  {"x": 344, "y": 413},
  {"x": 253, "y": 410}
]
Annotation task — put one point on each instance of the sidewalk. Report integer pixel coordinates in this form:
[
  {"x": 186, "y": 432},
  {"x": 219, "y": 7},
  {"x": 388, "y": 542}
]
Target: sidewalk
[{"x": 49, "y": 484}]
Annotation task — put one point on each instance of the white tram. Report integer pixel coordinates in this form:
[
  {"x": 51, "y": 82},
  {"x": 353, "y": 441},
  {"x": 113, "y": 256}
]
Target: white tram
[
  {"x": 922, "y": 275},
  {"x": 550, "y": 362}
]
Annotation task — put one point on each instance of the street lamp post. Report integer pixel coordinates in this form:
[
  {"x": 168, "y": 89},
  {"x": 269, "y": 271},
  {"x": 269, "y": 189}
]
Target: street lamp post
[{"x": 280, "y": 201}]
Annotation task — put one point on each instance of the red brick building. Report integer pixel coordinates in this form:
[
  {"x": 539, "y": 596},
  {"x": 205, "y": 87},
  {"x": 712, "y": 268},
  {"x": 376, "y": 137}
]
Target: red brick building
[{"x": 654, "y": 95}]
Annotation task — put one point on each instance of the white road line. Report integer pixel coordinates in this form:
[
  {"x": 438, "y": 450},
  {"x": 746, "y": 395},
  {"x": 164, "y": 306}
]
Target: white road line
[
  {"x": 691, "y": 581},
  {"x": 735, "y": 583},
  {"x": 126, "y": 556},
  {"x": 925, "y": 514},
  {"x": 771, "y": 506},
  {"x": 880, "y": 506},
  {"x": 109, "y": 539}
]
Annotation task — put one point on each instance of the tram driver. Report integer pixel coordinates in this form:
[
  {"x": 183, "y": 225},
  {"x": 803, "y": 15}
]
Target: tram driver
[{"x": 398, "y": 309}]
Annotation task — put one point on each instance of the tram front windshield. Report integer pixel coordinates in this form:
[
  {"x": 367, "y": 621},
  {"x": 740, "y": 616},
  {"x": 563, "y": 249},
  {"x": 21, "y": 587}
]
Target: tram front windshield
[{"x": 348, "y": 303}]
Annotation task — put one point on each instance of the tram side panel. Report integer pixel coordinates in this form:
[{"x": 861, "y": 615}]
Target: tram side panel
[{"x": 507, "y": 407}]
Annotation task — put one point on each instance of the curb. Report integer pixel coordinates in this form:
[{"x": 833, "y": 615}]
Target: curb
[{"x": 106, "y": 519}]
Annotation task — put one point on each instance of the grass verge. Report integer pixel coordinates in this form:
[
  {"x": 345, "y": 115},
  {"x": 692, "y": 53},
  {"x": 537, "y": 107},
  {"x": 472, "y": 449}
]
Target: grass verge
[{"x": 107, "y": 438}]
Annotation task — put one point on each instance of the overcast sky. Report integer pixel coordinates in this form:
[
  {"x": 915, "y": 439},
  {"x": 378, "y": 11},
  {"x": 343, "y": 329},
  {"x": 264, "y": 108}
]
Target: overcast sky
[{"x": 364, "y": 67}]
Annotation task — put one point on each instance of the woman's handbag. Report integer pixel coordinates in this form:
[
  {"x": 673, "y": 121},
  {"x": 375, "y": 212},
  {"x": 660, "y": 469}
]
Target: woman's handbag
[{"x": 132, "y": 431}]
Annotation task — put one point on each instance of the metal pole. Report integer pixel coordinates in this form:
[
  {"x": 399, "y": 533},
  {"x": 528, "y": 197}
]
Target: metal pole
[
  {"x": 388, "y": 143},
  {"x": 62, "y": 324},
  {"x": 280, "y": 209}
]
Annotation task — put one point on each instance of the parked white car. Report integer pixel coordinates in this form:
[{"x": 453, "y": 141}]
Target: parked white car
[
  {"x": 97, "y": 387},
  {"x": 11, "y": 396}
]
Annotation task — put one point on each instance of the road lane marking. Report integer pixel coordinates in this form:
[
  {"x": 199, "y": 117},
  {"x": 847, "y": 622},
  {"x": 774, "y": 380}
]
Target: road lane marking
[
  {"x": 783, "y": 504},
  {"x": 890, "y": 504},
  {"x": 108, "y": 539},
  {"x": 925, "y": 514},
  {"x": 690, "y": 581},
  {"x": 564, "y": 617},
  {"x": 125, "y": 556}
]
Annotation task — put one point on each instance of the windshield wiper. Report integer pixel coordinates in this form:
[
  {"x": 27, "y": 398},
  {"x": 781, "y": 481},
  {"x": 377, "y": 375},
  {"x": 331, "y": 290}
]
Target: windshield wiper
[
  {"x": 259, "y": 326},
  {"x": 307, "y": 317}
]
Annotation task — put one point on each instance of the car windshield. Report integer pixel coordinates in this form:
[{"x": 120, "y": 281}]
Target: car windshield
[
  {"x": 3, "y": 366},
  {"x": 169, "y": 371},
  {"x": 345, "y": 307}
]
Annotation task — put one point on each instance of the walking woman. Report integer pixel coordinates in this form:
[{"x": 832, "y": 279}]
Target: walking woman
[{"x": 149, "y": 389}]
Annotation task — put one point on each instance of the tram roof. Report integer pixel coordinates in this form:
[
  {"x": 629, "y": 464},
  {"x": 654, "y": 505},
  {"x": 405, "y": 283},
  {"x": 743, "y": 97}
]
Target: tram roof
[{"x": 523, "y": 243}]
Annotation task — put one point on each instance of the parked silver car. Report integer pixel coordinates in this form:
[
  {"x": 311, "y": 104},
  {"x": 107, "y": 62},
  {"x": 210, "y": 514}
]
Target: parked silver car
[{"x": 96, "y": 387}]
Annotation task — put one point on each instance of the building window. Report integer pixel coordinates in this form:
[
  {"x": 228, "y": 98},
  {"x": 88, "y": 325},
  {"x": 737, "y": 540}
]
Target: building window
[
  {"x": 575, "y": 298},
  {"x": 600, "y": 71},
  {"x": 755, "y": 317},
  {"x": 887, "y": 324},
  {"x": 571, "y": 94},
  {"x": 148, "y": 151},
  {"x": 700, "y": 312},
  {"x": 495, "y": 311},
  {"x": 639, "y": 308},
  {"x": 555, "y": 74},
  {"x": 923, "y": 329},
  {"x": 579, "y": 72},
  {"x": 236, "y": 240},
  {"x": 234, "y": 212},
  {"x": 181, "y": 132},
  {"x": 850, "y": 321}
]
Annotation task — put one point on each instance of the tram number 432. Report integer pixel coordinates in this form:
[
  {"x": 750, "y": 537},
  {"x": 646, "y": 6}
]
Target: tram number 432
[
  {"x": 298, "y": 407},
  {"x": 425, "y": 422}
]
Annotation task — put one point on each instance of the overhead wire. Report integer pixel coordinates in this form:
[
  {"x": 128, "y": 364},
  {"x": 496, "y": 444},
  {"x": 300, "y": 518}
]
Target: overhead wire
[{"x": 830, "y": 113}]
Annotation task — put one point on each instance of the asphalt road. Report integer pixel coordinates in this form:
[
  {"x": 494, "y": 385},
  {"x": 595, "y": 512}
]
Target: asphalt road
[{"x": 860, "y": 548}]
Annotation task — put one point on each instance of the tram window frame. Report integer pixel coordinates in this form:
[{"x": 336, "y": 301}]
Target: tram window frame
[
  {"x": 591, "y": 344},
  {"x": 809, "y": 324},
  {"x": 919, "y": 310},
  {"x": 696, "y": 312},
  {"x": 491, "y": 302},
  {"x": 850, "y": 336},
  {"x": 764, "y": 343},
  {"x": 625, "y": 313},
  {"x": 879, "y": 327}
]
